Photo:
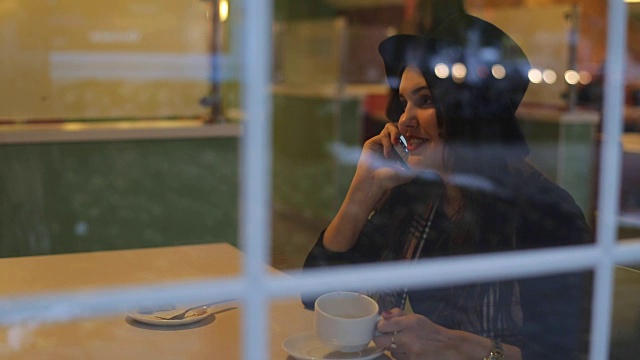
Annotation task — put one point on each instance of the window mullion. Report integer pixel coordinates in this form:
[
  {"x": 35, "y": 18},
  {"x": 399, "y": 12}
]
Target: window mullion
[
  {"x": 609, "y": 178},
  {"x": 255, "y": 185}
]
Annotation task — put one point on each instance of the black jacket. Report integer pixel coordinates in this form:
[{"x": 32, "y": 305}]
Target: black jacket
[{"x": 554, "y": 309}]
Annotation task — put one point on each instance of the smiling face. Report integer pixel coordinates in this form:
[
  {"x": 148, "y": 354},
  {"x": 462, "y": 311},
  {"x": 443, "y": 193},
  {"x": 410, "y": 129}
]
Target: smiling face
[{"x": 418, "y": 123}]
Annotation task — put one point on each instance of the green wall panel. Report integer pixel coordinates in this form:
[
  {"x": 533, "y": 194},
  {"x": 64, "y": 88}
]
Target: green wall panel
[
  {"x": 61, "y": 198},
  {"x": 578, "y": 159},
  {"x": 288, "y": 10},
  {"x": 542, "y": 139},
  {"x": 565, "y": 153},
  {"x": 306, "y": 178}
]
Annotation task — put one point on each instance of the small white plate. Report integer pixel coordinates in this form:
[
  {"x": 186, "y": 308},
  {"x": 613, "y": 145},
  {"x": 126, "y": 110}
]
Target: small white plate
[
  {"x": 192, "y": 316},
  {"x": 307, "y": 346}
]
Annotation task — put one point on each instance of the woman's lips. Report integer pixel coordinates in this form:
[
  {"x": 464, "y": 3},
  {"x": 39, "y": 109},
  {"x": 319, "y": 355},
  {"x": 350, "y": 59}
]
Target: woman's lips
[{"x": 414, "y": 142}]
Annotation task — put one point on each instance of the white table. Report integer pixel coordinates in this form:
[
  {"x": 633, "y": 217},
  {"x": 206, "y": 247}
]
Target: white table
[{"x": 118, "y": 337}]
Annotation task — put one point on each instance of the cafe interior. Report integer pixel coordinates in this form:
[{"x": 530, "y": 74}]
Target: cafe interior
[{"x": 132, "y": 153}]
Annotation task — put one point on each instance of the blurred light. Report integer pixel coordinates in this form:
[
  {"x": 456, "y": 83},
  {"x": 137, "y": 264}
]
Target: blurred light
[
  {"x": 458, "y": 71},
  {"x": 632, "y": 1},
  {"x": 535, "y": 76},
  {"x": 571, "y": 77},
  {"x": 224, "y": 10},
  {"x": 585, "y": 77},
  {"x": 498, "y": 71},
  {"x": 549, "y": 76},
  {"x": 441, "y": 70}
]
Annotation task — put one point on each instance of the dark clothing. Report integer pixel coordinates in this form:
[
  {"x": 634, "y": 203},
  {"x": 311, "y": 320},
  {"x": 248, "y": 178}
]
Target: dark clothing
[{"x": 545, "y": 317}]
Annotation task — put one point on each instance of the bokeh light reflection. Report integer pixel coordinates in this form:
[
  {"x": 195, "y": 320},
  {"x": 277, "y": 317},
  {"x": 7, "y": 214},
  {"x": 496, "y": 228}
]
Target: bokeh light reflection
[
  {"x": 498, "y": 71},
  {"x": 585, "y": 77},
  {"x": 441, "y": 70},
  {"x": 535, "y": 76},
  {"x": 571, "y": 77},
  {"x": 458, "y": 72},
  {"x": 549, "y": 76}
]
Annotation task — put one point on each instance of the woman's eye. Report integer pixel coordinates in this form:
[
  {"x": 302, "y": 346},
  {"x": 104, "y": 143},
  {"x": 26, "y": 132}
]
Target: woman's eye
[{"x": 425, "y": 100}]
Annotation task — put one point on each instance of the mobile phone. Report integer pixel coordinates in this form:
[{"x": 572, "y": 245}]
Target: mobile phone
[{"x": 401, "y": 153}]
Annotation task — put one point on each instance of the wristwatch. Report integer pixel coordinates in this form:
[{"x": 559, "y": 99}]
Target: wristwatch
[{"x": 496, "y": 351}]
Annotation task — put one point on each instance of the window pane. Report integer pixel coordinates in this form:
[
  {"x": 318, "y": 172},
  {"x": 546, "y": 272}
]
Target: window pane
[
  {"x": 153, "y": 171},
  {"x": 538, "y": 315},
  {"x": 106, "y": 303},
  {"x": 624, "y": 323},
  {"x": 330, "y": 95},
  {"x": 119, "y": 179}
]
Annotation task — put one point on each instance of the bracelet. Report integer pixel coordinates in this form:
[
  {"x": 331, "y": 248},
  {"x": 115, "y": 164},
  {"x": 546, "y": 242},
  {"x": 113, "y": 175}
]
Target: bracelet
[{"x": 496, "y": 352}]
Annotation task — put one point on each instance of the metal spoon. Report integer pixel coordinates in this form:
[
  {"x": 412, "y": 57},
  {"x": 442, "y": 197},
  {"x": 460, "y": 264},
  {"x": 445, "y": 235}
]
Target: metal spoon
[{"x": 183, "y": 314}]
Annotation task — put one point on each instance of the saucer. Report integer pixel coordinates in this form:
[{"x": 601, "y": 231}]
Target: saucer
[
  {"x": 149, "y": 317},
  {"x": 307, "y": 346}
]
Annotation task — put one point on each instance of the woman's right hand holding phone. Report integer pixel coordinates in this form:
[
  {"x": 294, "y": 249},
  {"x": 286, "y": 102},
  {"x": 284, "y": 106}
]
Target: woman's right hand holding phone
[
  {"x": 377, "y": 173},
  {"x": 380, "y": 165}
]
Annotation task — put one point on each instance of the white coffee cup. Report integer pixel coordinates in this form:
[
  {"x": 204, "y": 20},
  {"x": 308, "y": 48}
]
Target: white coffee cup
[{"x": 346, "y": 321}]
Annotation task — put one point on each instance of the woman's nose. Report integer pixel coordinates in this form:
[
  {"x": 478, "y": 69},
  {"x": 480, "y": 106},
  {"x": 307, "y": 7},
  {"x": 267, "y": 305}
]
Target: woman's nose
[{"x": 408, "y": 118}]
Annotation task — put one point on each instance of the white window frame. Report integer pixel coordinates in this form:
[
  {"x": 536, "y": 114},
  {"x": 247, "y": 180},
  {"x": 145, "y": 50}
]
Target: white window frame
[{"x": 255, "y": 288}]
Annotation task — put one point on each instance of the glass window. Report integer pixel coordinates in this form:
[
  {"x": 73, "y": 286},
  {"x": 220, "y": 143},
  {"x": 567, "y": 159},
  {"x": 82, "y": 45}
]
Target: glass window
[{"x": 185, "y": 180}]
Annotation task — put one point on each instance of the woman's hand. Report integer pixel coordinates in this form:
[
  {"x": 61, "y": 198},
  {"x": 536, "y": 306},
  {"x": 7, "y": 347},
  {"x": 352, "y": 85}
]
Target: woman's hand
[
  {"x": 377, "y": 166},
  {"x": 389, "y": 136},
  {"x": 413, "y": 337},
  {"x": 375, "y": 176}
]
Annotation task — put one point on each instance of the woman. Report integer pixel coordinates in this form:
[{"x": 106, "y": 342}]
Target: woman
[{"x": 468, "y": 189}]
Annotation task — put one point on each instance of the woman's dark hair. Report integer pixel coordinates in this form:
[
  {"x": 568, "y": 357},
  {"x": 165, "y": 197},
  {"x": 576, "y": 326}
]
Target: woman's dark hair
[
  {"x": 475, "y": 114},
  {"x": 479, "y": 108}
]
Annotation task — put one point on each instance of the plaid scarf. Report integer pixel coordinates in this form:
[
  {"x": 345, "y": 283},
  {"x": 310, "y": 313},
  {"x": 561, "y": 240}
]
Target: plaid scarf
[{"x": 411, "y": 245}]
